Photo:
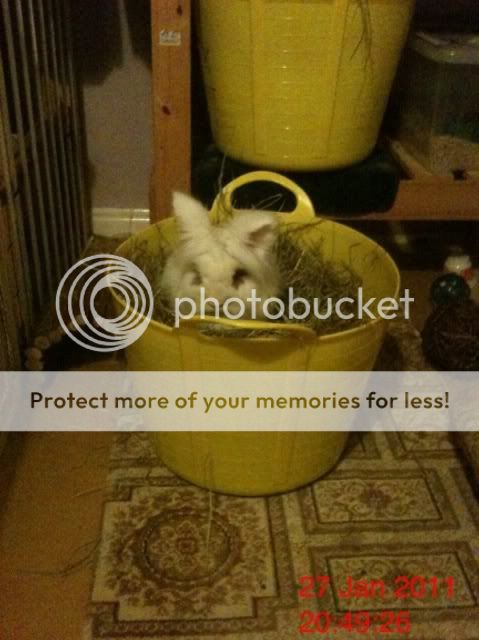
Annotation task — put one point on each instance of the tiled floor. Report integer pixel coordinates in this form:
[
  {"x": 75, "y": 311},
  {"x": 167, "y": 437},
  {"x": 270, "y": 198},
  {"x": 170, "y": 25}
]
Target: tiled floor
[{"x": 50, "y": 508}]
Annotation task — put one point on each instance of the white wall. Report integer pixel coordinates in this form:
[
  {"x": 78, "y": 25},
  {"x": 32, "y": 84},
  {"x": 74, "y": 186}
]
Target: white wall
[{"x": 112, "y": 49}]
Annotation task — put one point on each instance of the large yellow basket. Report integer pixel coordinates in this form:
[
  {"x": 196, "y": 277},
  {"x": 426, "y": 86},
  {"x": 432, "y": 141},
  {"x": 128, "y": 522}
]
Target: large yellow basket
[
  {"x": 300, "y": 85},
  {"x": 263, "y": 463}
]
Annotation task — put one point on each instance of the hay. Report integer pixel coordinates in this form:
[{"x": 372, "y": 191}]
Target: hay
[
  {"x": 450, "y": 336},
  {"x": 303, "y": 267}
]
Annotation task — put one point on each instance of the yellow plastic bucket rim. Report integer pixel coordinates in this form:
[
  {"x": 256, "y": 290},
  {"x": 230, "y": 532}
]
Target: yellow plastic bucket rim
[{"x": 303, "y": 213}]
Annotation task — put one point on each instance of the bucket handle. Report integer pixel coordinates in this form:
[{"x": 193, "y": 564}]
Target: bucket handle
[
  {"x": 298, "y": 330},
  {"x": 303, "y": 212}
]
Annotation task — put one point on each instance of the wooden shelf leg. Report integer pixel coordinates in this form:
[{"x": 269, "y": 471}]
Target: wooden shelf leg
[{"x": 171, "y": 59}]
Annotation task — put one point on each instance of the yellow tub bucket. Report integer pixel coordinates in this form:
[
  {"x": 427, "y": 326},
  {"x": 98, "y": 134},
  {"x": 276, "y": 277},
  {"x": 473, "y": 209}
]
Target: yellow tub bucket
[
  {"x": 262, "y": 463},
  {"x": 300, "y": 85}
]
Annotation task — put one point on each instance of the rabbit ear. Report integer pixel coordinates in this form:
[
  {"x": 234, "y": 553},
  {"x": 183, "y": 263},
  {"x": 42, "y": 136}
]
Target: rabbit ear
[
  {"x": 262, "y": 237},
  {"x": 191, "y": 215},
  {"x": 258, "y": 230}
]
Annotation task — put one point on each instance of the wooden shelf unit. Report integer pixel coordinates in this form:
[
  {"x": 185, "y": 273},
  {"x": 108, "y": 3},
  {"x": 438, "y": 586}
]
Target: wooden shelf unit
[
  {"x": 421, "y": 197},
  {"x": 171, "y": 63}
]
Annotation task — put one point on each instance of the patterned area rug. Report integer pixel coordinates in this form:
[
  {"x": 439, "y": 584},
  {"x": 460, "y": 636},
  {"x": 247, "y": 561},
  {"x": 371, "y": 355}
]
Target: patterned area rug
[{"x": 176, "y": 561}]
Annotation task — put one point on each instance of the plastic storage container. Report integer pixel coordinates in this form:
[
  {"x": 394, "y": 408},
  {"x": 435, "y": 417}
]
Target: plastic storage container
[
  {"x": 300, "y": 85},
  {"x": 439, "y": 120}
]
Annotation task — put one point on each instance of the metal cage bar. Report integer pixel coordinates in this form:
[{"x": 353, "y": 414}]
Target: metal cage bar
[{"x": 44, "y": 218}]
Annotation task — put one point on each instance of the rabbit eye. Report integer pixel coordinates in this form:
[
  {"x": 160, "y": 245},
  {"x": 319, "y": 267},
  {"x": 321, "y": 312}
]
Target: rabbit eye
[{"x": 239, "y": 276}]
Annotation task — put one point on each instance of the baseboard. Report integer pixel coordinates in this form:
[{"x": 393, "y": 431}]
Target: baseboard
[{"x": 113, "y": 223}]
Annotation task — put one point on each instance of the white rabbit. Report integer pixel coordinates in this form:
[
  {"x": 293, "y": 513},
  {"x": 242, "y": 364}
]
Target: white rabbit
[{"x": 227, "y": 260}]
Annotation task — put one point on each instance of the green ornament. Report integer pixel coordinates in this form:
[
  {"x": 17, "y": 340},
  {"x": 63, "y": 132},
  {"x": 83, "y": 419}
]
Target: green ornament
[{"x": 450, "y": 288}]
